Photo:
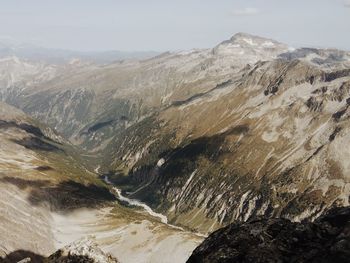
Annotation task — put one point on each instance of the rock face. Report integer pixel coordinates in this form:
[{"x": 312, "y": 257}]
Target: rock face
[
  {"x": 280, "y": 240},
  {"x": 81, "y": 251}
]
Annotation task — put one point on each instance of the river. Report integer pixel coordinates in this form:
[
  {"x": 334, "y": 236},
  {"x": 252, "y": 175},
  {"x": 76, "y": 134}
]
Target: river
[
  {"x": 135, "y": 202},
  {"x": 148, "y": 209}
]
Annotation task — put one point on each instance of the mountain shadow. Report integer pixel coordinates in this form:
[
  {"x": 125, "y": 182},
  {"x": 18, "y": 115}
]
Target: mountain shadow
[{"x": 64, "y": 196}]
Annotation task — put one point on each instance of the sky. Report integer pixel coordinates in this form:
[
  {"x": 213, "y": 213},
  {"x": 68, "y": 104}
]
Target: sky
[{"x": 161, "y": 25}]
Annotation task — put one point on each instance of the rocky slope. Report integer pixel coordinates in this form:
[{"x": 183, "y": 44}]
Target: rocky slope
[
  {"x": 279, "y": 240},
  {"x": 38, "y": 174}
]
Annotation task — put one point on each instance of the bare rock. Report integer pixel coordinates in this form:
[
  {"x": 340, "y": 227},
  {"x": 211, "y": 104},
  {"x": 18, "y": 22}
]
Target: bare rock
[
  {"x": 84, "y": 250},
  {"x": 280, "y": 240}
]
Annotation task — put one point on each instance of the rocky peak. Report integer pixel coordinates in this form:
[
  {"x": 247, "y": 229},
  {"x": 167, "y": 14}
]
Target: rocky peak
[
  {"x": 250, "y": 48},
  {"x": 252, "y": 40},
  {"x": 83, "y": 250}
]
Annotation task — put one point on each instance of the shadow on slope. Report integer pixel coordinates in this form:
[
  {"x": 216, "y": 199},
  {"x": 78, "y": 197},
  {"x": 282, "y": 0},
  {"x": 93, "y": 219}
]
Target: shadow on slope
[
  {"x": 64, "y": 196},
  {"x": 38, "y": 140},
  {"x": 33, "y": 143}
]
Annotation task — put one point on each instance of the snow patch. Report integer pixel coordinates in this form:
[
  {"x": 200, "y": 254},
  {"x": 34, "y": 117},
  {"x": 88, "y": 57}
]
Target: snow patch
[
  {"x": 160, "y": 162},
  {"x": 268, "y": 44}
]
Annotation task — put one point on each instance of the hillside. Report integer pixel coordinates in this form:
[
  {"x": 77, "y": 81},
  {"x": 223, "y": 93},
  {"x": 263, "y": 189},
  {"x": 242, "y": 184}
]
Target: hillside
[{"x": 48, "y": 199}]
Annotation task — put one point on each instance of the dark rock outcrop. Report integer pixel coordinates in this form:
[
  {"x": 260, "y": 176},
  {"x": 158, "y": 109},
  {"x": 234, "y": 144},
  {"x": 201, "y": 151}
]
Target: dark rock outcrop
[
  {"x": 22, "y": 256},
  {"x": 280, "y": 240}
]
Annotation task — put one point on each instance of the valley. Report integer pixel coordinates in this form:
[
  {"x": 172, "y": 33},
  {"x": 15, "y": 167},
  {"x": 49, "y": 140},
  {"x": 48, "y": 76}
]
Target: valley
[{"x": 48, "y": 200}]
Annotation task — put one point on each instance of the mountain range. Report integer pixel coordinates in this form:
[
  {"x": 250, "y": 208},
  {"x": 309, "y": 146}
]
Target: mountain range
[
  {"x": 249, "y": 129},
  {"x": 63, "y": 56}
]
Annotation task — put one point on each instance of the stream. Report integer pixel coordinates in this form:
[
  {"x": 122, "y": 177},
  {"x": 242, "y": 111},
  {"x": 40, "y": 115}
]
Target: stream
[
  {"x": 135, "y": 202},
  {"x": 148, "y": 209}
]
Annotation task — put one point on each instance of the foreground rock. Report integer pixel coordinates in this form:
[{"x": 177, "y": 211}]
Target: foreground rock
[
  {"x": 280, "y": 240},
  {"x": 84, "y": 251},
  {"x": 81, "y": 251}
]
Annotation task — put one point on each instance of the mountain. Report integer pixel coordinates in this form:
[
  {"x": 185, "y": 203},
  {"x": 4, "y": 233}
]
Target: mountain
[
  {"x": 248, "y": 49},
  {"x": 265, "y": 142},
  {"x": 262, "y": 140},
  {"x": 122, "y": 93},
  {"x": 250, "y": 128}
]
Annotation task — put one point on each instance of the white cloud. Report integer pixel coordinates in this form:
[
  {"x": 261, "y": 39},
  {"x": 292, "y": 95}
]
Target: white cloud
[
  {"x": 347, "y": 3},
  {"x": 248, "y": 11}
]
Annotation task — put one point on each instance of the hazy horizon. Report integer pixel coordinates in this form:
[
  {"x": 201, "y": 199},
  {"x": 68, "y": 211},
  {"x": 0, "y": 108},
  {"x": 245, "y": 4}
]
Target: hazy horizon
[{"x": 160, "y": 26}]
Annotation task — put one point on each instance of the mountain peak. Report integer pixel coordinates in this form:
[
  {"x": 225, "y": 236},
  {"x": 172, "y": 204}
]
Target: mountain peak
[
  {"x": 249, "y": 49},
  {"x": 253, "y": 40},
  {"x": 243, "y": 35}
]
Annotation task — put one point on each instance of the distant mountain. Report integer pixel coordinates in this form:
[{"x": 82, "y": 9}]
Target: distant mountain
[
  {"x": 250, "y": 49},
  {"x": 60, "y": 56}
]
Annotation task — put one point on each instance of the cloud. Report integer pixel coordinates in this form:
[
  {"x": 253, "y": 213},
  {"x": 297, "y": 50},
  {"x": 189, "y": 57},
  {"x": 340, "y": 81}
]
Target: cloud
[
  {"x": 248, "y": 11},
  {"x": 347, "y": 3}
]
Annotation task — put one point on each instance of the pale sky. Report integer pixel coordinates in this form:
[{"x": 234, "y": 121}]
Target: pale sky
[{"x": 161, "y": 25}]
